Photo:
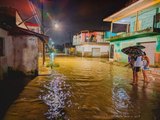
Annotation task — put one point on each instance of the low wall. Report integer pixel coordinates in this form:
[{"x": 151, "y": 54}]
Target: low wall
[{"x": 89, "y": 54}]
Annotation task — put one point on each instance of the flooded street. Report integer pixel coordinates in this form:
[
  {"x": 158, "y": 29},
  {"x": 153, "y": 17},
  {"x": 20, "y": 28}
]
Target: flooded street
[{"x": 87, "y": 89}]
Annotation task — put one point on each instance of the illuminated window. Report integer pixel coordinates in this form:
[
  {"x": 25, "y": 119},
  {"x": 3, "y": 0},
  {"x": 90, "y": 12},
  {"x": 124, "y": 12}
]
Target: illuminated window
[{"x": 1, "y": 47}]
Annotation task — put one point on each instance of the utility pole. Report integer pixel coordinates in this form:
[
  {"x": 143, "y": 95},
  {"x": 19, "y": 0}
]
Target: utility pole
[{"x": 42, "y": 28}]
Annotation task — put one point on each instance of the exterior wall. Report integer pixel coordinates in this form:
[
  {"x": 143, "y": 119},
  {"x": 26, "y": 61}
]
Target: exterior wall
[
  {"x": 3, "y": 59},
  {"x": 20, "y": 53},
  {"x": 145, "y": 18},
  {"x": 74, "y": 40},
  {"x": 88, "y": 37},
  {"x": 100, "y": 36},
  {"x": 86, "y": 50},
  {"x": 157, "y": 54},
  {"x": 83, "y": 37},
  {"x": 118, "y": 45},
  {"x": 25, "y": 53},
  {"x": 36, "y": 28},
  {"x": 77, "y": 39},
  {"x": 109, "y": 34},
  {"x": 40, "y": 47}
]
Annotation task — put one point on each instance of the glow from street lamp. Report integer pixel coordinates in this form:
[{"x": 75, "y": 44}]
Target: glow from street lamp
[{"x": 56, "y": 26}]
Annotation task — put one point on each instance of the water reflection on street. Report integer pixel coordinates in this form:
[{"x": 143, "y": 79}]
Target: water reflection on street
[
  {"x": 55, "y": 95},
  {"x": 87, "y": 89}
]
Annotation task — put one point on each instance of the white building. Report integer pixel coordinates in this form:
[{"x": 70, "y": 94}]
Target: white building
[{"x": 91, "y": 44}]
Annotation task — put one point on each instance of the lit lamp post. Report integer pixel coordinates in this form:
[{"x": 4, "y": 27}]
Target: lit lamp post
[
  {"x": 51, "y": 43},
  {"x": 56, "y": 26}
]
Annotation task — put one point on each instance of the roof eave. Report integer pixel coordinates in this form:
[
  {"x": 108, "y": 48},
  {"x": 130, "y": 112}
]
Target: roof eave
[
  {"x": 130, "y": 10},
  {"x": 22, "y": 31}
]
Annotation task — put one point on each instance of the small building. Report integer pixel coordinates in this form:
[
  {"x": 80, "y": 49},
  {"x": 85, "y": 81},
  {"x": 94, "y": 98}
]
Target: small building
[
  {"x": 91, "y": 44},
  {"x": 18, "y": 45},
  {"x": 142, "y": 19}
]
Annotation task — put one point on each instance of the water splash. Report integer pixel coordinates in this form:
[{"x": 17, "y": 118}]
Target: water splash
[{"x": 56, "y": 96}]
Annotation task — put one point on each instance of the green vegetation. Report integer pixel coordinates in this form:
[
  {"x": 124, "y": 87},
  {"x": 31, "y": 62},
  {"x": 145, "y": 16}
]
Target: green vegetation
[{"x": 52, "y": 65}]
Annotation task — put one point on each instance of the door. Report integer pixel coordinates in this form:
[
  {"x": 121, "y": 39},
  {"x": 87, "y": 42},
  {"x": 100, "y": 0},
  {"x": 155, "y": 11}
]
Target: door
[
  {"x": 111, "y": 52},
  {"x": 96, "y": 52}
]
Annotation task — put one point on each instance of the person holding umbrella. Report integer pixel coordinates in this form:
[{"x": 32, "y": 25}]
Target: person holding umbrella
[
  {"x": 135, "y": 53},
  {"x": 136, "y": 68}
]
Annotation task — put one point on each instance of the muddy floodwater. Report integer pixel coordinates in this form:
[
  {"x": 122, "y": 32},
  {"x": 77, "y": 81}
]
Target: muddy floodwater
[{"x": 87, "y": 89}]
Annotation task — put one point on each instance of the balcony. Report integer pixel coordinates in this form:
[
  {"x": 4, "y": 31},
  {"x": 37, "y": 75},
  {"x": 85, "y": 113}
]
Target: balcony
[
  {"x": 91, "y": 43},
  {"x": 142, "y": 33}
]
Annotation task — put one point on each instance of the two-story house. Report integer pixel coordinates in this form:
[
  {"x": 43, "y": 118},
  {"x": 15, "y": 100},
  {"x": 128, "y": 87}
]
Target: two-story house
[
  {"x": 91, "y": 44},
  {"x": 143, "y": 22}
]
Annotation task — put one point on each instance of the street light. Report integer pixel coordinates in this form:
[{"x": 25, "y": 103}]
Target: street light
[{"x": 55, "y": 27}]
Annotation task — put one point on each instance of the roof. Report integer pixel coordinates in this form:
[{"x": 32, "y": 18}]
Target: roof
[
  {"x": 22, "y": 31},
  {"x": 15, "y": 30},
  {"x": 8, "y": 22},
  {"x": 32, "y": 24},
  {"x": 131, "y": 10}
]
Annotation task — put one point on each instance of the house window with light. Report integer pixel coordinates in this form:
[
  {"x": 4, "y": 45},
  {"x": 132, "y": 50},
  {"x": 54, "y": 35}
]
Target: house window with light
[{"x": 1, "y": 47}]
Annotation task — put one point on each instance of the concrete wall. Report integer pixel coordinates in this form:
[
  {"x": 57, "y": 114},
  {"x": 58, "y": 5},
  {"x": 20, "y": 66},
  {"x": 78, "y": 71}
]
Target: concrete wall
[
  {"x": 86, "y": 50},
  {"x": 157, "y": 54},
  {"x": 86, "y": 37},
  {"x": 151, "y": 51},
  {"x": 20, "y": 53},
  {"x": 3, "y": 59},
  {"x": 100, "y": 36},
  {"x": 25, "y": 53}
]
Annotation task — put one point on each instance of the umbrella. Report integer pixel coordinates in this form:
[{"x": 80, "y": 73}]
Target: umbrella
[
  {"x": 132, "y": 50},
  {"x": 139, "y": 46}
]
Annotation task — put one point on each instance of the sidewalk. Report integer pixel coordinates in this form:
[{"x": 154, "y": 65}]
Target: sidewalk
[{"x": 42, "y": 69}]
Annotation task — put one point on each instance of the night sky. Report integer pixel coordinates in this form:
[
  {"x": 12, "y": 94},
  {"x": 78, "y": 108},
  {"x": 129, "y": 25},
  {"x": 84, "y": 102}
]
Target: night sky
[{"x": 72, "y": 15}]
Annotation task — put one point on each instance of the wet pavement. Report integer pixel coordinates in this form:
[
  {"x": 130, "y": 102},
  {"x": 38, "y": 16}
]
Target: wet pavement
[{"x": 87, "y": 89}]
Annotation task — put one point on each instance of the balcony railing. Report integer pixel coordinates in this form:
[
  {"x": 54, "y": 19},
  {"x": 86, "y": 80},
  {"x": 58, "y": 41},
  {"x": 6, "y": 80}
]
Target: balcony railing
[
  {"x": 142, "y": 33},
  {"x": 90, "y": 43}
]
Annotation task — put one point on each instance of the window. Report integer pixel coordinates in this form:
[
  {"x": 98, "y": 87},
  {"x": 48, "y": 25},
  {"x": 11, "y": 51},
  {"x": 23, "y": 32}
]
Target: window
[
  {"x": 1, "y": 47},
  {"x": 156, "y": 23}
]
